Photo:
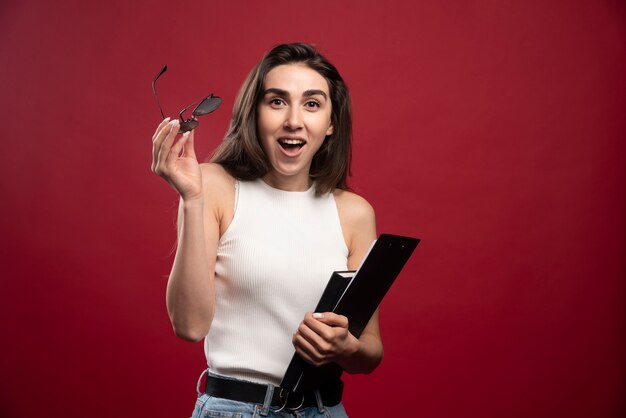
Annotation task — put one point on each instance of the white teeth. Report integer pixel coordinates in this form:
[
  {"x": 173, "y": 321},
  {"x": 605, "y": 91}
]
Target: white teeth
[{"x": 292, "y": 141}]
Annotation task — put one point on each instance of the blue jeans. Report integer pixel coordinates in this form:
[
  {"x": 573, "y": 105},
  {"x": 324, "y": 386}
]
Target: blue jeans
[{"x": 210, "y": 407}]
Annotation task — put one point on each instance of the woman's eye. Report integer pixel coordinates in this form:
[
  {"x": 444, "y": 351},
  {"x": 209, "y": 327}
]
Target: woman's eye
[
  {"x": 312, "y": 104},
  {"x": 277, "y": 102}
]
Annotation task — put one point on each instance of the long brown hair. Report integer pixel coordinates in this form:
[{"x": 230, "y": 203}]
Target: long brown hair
[{"x": 240, "y": 152}]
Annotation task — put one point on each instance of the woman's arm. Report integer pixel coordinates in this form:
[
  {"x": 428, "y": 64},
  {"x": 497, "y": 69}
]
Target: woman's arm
[
  {"x": 322, "y": 339},
  {"x": 190, "y": 291}
]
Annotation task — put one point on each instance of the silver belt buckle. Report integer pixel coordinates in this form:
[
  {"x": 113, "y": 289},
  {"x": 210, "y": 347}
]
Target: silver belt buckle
[{"x": 280, "y": 396}]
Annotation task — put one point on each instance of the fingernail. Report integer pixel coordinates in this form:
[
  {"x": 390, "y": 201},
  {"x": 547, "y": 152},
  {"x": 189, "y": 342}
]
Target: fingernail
[
  {"x": 318, "y": 315},
  {"x": 166, "y": 119}
]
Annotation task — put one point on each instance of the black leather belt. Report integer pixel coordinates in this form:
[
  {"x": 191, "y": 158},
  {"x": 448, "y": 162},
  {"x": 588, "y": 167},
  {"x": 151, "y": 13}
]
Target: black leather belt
[{"x": 238, "y": 390}]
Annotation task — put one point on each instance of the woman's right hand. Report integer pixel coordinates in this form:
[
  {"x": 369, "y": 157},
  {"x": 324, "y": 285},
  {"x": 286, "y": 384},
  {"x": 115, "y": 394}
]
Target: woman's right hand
[{"x": 180, "y": 170}]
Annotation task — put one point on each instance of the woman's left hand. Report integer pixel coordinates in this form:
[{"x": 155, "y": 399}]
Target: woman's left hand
[{"x": 324, "y": 337}]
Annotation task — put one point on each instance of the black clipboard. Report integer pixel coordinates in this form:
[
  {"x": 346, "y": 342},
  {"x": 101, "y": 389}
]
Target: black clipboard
[{"x": 356, "y": 296}]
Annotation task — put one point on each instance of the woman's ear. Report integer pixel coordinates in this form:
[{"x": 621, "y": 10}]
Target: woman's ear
[{"x": 329, "y": 131}]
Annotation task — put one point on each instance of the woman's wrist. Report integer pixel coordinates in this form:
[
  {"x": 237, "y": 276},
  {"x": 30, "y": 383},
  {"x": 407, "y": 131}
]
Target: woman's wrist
[
  {"x": 361, "y": 356},
  {"x": 352, "y": 347},
  {"x": 192, "y": 202}
]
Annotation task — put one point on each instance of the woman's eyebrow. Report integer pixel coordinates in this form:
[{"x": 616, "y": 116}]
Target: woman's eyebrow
[
  {"x": 309, "y": 93},
  {"x": 279, "y": 92},
  {"x": 285, "y": 93}
]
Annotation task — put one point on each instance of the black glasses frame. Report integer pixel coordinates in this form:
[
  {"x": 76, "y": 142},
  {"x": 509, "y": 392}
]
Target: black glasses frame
[{"x": 206, "y": 106}]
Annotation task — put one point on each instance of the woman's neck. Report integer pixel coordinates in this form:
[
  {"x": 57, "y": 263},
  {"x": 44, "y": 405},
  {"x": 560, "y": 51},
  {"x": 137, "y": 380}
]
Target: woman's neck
[{"x": 287, "y": 183}]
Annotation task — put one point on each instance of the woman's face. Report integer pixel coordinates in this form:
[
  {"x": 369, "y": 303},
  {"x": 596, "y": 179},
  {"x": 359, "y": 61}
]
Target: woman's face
[{"x": 294, "y": 117}]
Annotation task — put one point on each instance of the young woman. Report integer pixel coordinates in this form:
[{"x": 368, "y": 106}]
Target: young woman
[{"x": 261, "y": 228}]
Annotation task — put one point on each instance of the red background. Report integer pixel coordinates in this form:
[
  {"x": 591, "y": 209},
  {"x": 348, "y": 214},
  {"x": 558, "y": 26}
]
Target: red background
[{"x": 493, "y": 130}]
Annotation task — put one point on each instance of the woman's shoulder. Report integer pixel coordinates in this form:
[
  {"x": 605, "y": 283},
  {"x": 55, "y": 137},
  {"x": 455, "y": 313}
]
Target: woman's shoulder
[
  {"x": 220, "y": 194},
  {"x": 218, "y": 184},
  {"x": 358, "y": 222},
  {"x": 353, "y": 208},
  {"x": 214, "y": 175}
]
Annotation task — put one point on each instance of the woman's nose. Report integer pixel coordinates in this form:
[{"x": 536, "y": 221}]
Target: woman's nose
[{"x": 294, "y": 119}]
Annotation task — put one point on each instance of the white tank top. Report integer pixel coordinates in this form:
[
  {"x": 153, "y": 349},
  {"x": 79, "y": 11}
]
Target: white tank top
[{"x": 273, "y": 263}]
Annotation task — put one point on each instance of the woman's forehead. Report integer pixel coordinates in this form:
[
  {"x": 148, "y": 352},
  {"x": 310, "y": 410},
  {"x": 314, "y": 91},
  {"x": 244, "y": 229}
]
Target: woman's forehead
[{"x": 295, "y": 78}]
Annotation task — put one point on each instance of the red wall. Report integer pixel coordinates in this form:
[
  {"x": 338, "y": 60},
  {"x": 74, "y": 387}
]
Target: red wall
[{"x": 493, "y": 130}]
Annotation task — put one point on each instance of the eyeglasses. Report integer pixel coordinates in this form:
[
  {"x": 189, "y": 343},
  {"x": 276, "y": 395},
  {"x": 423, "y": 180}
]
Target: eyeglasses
[{"x": 206, "y": 106}]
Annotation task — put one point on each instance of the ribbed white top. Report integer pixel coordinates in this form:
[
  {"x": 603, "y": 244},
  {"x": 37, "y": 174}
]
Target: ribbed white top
[{"x": 273, "y": 263}]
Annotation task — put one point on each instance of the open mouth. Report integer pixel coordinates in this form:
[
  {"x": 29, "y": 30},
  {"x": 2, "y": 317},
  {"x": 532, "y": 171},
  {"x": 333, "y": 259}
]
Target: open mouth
[{"x": 291, "y": 144}]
